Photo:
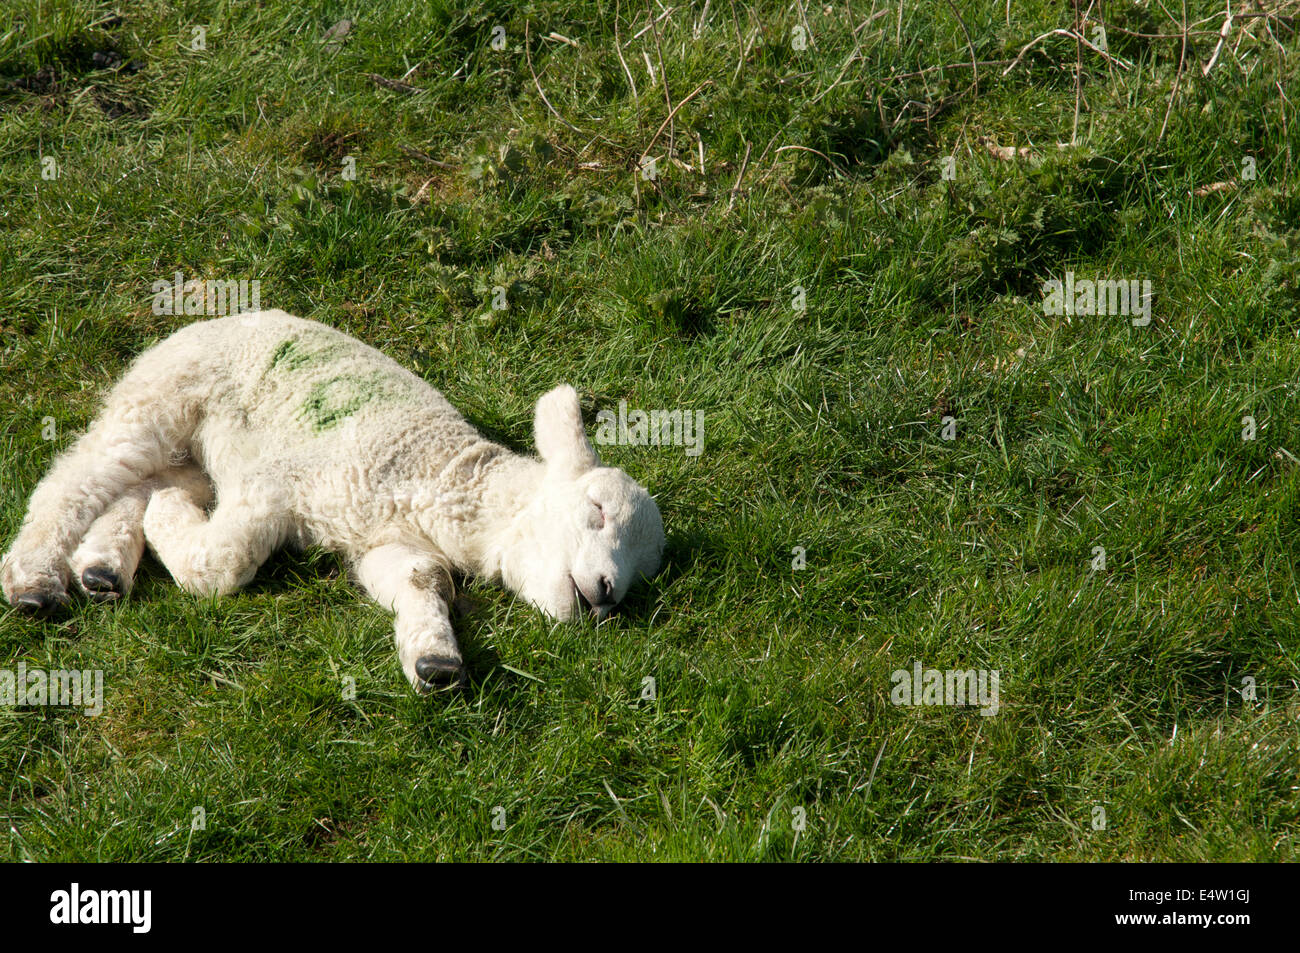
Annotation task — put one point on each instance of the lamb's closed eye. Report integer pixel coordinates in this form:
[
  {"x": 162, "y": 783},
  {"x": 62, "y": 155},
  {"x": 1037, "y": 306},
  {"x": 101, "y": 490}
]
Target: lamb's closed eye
[{"x": 597, "y": 517}]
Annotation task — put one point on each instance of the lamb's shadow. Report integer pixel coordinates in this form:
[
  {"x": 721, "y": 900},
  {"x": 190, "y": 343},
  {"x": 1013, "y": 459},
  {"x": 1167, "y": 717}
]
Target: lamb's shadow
[
  {"x": 287, "y": 570},
  {"x": 470, "y": 618},
  {"x": 294, "y": 571},
  {"x": 647, "y": 599},
  {"x": 644, "y": 605}
]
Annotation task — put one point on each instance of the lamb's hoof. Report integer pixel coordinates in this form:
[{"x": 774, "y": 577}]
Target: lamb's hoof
[
  {"x": 440, "y": 671},
  {"x": 36, "y": 602},
  {"x": 102, "y": 584}
]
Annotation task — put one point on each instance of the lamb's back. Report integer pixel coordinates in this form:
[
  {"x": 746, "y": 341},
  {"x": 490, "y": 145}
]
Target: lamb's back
[{"x": 331, "y": 416}]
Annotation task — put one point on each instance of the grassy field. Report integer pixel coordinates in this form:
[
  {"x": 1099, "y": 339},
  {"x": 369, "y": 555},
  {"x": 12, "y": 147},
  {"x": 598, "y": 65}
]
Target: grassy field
[{"x": 829, "y": 229}]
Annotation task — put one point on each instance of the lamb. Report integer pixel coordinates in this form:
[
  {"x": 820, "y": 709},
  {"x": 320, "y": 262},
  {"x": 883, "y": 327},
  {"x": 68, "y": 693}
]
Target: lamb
[{"x": 235, "y": 436}]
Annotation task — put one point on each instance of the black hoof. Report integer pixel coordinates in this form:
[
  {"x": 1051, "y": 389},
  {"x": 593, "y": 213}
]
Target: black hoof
[
  {"x": 439, "y": 670},
  {"x": 37, "y": 603},
  {"x": 102, "y": 585}
]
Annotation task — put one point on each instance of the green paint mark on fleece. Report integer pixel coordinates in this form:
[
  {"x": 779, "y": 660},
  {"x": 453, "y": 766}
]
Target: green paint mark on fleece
[
  {"x": 290, "y": 355},
  {"x": 287, "y": 356},
  {"x": 334, "y": 400}
]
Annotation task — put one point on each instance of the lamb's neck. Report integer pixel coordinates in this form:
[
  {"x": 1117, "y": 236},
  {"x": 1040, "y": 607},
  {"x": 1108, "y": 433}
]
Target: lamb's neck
[{"x": 482, "y": 511}]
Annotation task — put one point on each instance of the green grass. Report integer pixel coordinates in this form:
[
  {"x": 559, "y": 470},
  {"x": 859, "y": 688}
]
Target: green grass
[{"x": 823, "y": 169}]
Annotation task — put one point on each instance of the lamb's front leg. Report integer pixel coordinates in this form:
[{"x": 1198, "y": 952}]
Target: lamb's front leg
[{"x": 415, "y": 584}]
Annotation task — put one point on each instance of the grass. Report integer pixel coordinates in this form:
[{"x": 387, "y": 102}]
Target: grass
[{"x": 823, "y": 170}]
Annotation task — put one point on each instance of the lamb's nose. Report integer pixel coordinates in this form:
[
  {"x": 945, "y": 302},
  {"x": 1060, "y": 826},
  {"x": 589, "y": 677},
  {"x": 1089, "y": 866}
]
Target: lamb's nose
[{"x": 604, "y": 591}]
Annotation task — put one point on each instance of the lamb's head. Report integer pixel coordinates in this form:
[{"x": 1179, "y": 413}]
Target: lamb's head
[{"x": 589, "y": 532}]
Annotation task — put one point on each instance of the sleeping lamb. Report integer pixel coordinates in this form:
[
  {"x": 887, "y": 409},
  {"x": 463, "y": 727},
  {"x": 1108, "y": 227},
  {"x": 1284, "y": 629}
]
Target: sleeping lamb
[{"x": 306, "y": 436}]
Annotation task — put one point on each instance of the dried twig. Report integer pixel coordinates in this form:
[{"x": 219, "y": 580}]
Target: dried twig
[
  {"x": 829, "y": 161},
  {"x": 700, "y": 24},
  {"x": 970, "y": 45},
  {"x": 848, "y": 60},
  {"x": 663, "y": 77},
  {"x": 1178, "y": 76},
  {"x": 1078, "y": 72},
  {"x": 1223, "y": 36},
  {"x": 653, "y": 139},
  {"x": 739, "y": 175},
  {"x": 393, "y": 84},
  {"x": 538, "y": 83},
  {"x": 425, "y": 157},
  {"x": 649, "y": 25},
  {"x": 1124, "y": 64},
  {"x": 940, "y": 69},
  {"x": 618, "y": 48},
  {"x": 1213, "y": 188}
]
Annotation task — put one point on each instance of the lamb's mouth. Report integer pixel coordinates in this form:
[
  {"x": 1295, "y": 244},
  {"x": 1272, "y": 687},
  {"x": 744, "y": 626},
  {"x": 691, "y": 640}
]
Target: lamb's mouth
[{"x": 597, "y": 610}]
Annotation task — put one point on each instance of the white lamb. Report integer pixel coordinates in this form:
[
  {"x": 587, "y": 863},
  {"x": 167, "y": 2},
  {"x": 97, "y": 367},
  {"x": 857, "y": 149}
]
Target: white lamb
[{"x": 308, "y": 436}]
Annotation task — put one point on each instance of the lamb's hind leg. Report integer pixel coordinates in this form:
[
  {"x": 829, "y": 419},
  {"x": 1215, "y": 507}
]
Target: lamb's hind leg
[
  {"x": 119, "y": 451},
  {"x": 217, "y": 554},
  {"x": 104, "y": 564}
]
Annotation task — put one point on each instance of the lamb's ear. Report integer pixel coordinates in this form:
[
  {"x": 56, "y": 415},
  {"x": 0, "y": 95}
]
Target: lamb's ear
[{"x": 561, "y": 439}]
